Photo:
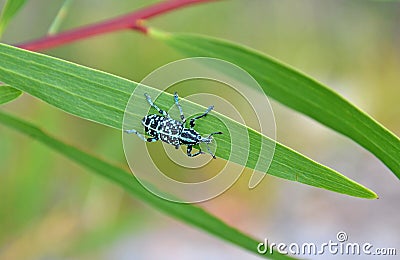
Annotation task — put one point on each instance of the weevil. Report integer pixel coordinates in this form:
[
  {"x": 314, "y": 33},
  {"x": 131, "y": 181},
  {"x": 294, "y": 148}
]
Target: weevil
[{"x": 163, "y": 127}]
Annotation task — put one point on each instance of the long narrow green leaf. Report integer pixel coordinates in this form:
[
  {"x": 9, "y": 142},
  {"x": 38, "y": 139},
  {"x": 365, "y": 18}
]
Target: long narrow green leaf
[
  {"x": 8, "y": 93},
  {"x": 11, "y": 7},
  {"x": 186, "y": 212},
  {"x": 102, "y": 98},
  {"x": 297, "y": 91}
]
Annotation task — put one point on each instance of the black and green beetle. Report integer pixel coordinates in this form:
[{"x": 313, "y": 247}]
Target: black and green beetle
[{"x": 163, "y": 127}]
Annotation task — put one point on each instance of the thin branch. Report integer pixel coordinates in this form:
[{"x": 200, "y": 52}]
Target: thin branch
[{"x": 130, "y": 21}]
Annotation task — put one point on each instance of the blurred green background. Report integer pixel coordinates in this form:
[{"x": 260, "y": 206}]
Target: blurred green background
[{"x": 53, "y": 209}]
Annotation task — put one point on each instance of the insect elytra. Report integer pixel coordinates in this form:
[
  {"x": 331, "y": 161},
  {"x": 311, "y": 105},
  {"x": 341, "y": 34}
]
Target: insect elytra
[{"x": 163, "y": 127}]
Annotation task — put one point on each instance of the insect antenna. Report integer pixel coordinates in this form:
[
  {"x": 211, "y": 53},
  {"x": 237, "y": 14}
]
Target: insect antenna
[{"x": 215, "y": 133}]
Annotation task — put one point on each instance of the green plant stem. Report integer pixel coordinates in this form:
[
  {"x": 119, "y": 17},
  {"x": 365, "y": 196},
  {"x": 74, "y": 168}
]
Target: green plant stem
[{"x": 55, "y": 26}]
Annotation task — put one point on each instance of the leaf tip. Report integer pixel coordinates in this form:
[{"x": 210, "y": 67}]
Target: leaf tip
[{"x": 371, "y": 195}]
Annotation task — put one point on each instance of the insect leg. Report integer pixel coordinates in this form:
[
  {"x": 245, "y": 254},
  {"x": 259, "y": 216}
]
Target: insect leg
[
  {"x": 209, "y": 150},
  {"x": 133, "y": 131},
  {"x": 151, "y": 139},
  {"x": 162, "y": 112},
  {"x": 179, "y": 107},
  {"x": 192, "y": 121},
  {"x": 189, "y": 152}
]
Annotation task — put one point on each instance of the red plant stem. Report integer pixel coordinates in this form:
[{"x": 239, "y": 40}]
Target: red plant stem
[{"x": 130, "y": 21}]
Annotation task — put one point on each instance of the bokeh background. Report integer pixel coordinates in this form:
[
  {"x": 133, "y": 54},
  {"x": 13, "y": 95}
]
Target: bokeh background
[{"x": 51, "y": 208}]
